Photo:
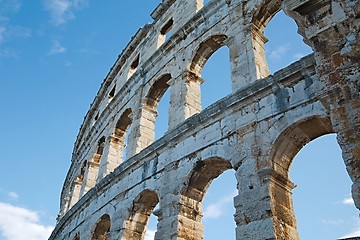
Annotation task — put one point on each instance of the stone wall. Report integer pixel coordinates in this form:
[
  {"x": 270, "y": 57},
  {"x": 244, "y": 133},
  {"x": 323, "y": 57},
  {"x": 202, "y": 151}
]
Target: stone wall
[{"x": 257, "y": 130}]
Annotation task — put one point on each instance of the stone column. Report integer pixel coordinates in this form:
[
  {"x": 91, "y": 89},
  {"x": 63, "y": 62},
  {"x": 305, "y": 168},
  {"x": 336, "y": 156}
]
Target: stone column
[
  {"x": 75, "y": 193},
  {"x": 90, "y": 177},
  {"x": 332, "y": 28},
  {"x": 346, "y": 123},
  {"x": 111, "y": 157},
  {"x": 179, "y": 218},
  {"x": 264, "y": 207},
  {"x": 144, "y": 130},
  {"x": 185, "y": 99},
  {"x": 247, "y": 56}
]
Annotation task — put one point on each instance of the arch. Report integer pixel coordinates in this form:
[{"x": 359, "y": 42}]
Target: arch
[
  {"x": 192, "y": 195},
  {"x": 205, "y": 50},
  {"x": 157, "y": 90},
  {"x": 123, "y": 124},
  {"x": 265, "y": 12},
  {"x": 102, "y": 228},
  {"x": 75, "y": 192},
  {"x": 293, "y": 138},
  {"x": 140, "y": 212},
  {"x": 80, "y": 178},
  {"x": 99, "y": 150},
  {"x": 118, "y": 141},
  {"x": 203, "y": 173}
]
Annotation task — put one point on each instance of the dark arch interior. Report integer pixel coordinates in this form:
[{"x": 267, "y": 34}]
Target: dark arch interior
[
  {"x": 123, "y": 123},
  {"x": 157, "y": 90},
  {"x": 101, "y": 144},
  {"x": 142, "y": 208},
  {"x": 102, "y": 227},
  {"x": 203, "y": 174}
]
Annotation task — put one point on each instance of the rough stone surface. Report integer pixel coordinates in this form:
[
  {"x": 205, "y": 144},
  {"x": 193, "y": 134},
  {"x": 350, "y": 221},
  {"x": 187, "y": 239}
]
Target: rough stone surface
[{"x": 257, "y": 130}]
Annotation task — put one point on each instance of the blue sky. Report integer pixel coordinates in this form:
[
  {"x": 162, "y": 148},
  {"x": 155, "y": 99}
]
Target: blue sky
[{"x": 54, "y": 55}]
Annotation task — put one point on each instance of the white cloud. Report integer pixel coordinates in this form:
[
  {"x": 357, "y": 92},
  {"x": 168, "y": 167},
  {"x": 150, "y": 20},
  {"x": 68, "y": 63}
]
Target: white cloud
[
  {"x": 355, "y": 232},
  {"x": 215, "y": 210},
  {"x": 279, "y": 52},
  {"x": 19, "y": 32},
  {"x": 13, "y": 195},
  {"x": 348, "y": 201},
  {"x": 18, "y": 223},
  {"x": 150, "y": 234},
  {"x": 62, "y": 11},
  {"x": 56, "y": 48},
  {"x": 8, "y": 31},
  {"x": 335, "y": 222}
]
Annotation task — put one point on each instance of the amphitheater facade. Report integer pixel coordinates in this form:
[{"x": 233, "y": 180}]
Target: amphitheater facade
[{"x": 118, "y": 172}]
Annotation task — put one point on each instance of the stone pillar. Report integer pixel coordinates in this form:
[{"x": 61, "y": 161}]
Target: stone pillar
[
  {"x": 185, "y": 99},
  {"x": 247, "y": 57},
  {"x": 75, "y": 193},
  {"x": 144, "y": 130},
  {"x": 179, "y": 218},
  {"x": 264, "y": 207},
  {"x": 332, "y": 29},
  {"x": 65, "y": 206},
  {"x": 112, "y": 156},
  {"x": 90, "y": 176},
  {"x": 346, "y": 123}
]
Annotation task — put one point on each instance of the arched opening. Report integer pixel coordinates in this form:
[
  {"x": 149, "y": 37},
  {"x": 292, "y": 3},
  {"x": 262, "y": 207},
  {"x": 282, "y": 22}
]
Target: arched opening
[
  {"x": 217, "y": 77},
  {"x": 191, "y": 211},
  {"x": 143, "y": 206},
  {"x": 92, "y": 169},
  {"x": 322, "y": 198},
  {"x": 284, "y": 45},
  {"x": 205, "y": 50},
  {"x": 162, "y": 119},
  {"x": 77, "y": 185},
  {"x": 102, "y": 228},
  {"x": 218, "y": 207},
  {"x": 212, "y": 62},
  {"x": 311, "y": 203},
  {"x": 152, "y": 225},
  {"x": 157, "y": 101},
  {"x": 99, "y": 150},
  {"x": 120, "y": 135},
  {"x": 280, "y": 33}
]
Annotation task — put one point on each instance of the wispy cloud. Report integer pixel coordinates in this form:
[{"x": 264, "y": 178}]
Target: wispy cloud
[
  {"x": 150, "y": 234},
  {"x": 15, "y": 218},
  {"x": 335, "y": 222},
  {"x": 215, "y": 210},
  {"x": 62, "y": 11},
  {"x": 14, "y": 31},
  {"x": 56, "y": 48},
  {"x": 9, "y": 31},
  {"x": 348, "y": 201},
  {"x": 279, "y": 52},
  {"x": 13, "y": 195}
]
